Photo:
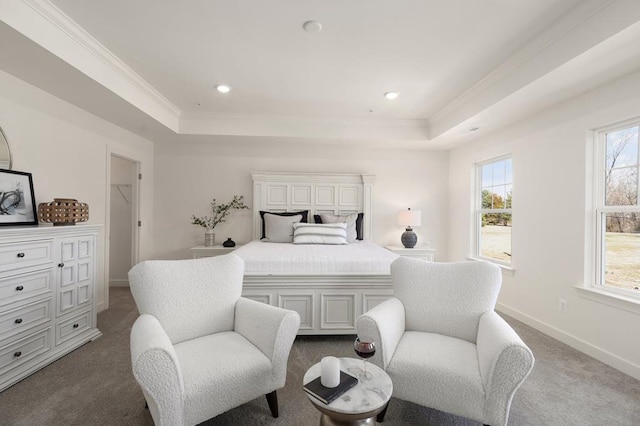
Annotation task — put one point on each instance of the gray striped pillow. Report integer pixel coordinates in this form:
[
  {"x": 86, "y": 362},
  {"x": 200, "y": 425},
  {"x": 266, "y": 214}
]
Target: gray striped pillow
[{"x": 320, "y": 233}]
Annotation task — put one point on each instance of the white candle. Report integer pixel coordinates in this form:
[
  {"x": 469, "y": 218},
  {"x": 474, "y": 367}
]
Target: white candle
[{"x": 330, "y": 372}]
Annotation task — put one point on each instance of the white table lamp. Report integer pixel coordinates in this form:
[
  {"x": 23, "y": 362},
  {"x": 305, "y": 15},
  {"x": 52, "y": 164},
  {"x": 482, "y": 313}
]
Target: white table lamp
[{"x": 409, "y": 218}]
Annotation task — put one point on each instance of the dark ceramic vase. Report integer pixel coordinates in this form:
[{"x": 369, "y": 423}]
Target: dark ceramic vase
[{"x": 229, "y": 243}]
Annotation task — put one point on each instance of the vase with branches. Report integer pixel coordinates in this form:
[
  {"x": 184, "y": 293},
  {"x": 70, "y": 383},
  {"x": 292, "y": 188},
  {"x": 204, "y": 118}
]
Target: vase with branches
[{"x": 219, "y": 214}]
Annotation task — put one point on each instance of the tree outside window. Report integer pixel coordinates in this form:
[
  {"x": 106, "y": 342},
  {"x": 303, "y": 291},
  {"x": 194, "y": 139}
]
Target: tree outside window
[
  {"x": 493, "y": 211},
  {"x": 618, "y": 210}
]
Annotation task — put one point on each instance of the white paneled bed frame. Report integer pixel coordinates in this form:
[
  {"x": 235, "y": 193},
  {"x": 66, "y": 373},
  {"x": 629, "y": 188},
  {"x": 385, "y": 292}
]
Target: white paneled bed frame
[{"x": 330, "y": 303}]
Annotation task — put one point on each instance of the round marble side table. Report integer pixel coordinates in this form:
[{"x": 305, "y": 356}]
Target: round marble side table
[{"x": 359, "y": 405}]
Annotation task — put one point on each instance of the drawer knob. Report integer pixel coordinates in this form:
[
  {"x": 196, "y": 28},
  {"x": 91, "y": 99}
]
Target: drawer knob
[
  {"x": 75, "y": 325},
  {"x": 60, "y": 265},
  {"x": 17, "y": 354},
  {"x": 20, "y": 254},
  {"x": 18, "y": 320},
  {"x": 19, "y": 288}
]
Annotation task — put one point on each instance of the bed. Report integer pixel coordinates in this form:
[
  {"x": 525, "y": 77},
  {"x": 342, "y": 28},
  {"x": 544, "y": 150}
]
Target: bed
[{"x": 328, "y": 285}]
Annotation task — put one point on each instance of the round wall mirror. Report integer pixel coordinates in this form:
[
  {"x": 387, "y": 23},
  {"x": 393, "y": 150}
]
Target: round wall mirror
[{"x": 5, "y": 152}]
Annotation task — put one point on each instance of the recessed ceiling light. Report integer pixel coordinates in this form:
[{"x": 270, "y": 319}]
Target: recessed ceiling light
[
  {"x": 312, "y": 26},
  {"x": 391, "y": 95},
  {"x": 223, "y": 88}
]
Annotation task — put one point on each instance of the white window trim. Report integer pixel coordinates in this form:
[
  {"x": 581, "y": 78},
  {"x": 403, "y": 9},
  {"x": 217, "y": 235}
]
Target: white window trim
[
  {"x": 609, "y": 298},
  {"x": 593, "y": 287},
  {"x": 507, "y": 267}
]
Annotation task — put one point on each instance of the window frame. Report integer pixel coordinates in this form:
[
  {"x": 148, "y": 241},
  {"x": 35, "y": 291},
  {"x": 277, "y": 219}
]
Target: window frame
[
  {"x": 600, "y": 209},
  {"x": 478, "y": 211}
]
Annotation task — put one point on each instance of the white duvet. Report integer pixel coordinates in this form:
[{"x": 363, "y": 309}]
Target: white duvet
[{"x": 360, "y": 257}]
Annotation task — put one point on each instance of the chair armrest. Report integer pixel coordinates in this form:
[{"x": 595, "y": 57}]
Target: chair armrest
[
  {"x": 271, "y": 329},
  {"x": 385, "y": 324},
  {"x": 505, "y": 362},
  {"x": 157, "y": 370}
]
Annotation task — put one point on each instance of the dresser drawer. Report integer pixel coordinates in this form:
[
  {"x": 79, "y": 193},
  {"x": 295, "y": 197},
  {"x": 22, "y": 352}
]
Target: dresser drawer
[
  {"x": 24, "y": 350},
  {"x": 73, "y": 326},
  {"x": 24, "y": 318},
  {"x": 24, "y": 286},
  {"x": 24, "y": 255}
]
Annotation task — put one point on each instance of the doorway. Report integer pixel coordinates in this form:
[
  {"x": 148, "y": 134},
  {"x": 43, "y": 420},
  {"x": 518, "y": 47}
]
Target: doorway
[{"x": 122, "y": 220}]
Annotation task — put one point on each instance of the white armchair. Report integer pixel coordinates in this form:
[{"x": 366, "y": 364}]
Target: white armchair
[
  {"x": 198, "y": 349},
  {"x": 442, "y": 343}
]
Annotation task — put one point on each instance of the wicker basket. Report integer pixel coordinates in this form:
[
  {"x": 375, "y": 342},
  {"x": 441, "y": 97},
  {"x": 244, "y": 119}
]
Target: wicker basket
[{"x": 63, "y": 211}]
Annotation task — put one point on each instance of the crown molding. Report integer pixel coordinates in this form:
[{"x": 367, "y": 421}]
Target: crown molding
[
  {"x": 77, "y": 35},
  {"x": 556, "y": 31},
  {"x": 304, "y": 127}
]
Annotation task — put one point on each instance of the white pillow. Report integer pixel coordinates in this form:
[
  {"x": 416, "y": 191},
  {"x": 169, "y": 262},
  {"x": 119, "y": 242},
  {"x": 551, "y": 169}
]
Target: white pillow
[
  {"x": 350, "y": 220},
  {"x": 320, "y": 233},
  {"x": 279, "y": 229}
]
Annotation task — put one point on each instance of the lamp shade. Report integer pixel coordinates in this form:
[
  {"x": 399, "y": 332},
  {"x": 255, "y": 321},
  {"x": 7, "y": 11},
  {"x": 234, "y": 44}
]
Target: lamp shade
[{"x": 410, "y": 218}]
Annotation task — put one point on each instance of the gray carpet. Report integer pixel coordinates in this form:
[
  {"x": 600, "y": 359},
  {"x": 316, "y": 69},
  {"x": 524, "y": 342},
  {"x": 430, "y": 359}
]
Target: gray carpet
[{"x": 94, "y": 386}]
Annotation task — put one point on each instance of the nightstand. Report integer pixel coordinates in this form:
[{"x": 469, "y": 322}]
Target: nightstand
[
  {"x": 211, "y": 251},
  {"x": 422, "y": 253}
]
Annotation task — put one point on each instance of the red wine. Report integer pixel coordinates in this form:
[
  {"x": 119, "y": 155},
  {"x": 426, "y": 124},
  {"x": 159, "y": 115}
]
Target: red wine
[
  {"x": 364, "y": 348},
  {"x": 365, "y": 354}
]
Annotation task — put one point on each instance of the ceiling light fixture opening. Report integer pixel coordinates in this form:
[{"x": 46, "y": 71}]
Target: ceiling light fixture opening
[
  {"x": 223, "y": 88},
  {"x": 312, "y": 26},
  {"x": 391, "y": 95}
]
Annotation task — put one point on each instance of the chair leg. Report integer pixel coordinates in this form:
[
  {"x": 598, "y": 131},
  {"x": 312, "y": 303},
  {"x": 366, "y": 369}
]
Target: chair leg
[
  {"x": 381, "y": 414},
  {"x": 272, "y": 400}
]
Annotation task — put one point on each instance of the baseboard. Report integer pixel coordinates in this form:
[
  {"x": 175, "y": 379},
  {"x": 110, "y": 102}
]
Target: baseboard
[
  {"x": 119, "y": 283},
  {"x": 600, "y": 354}
]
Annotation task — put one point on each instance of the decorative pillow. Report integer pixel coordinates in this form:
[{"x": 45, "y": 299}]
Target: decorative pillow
[
  {"x": 319, "y": 233},
  {"x": 350, "y": 220},
  {"x": 279, "y": 229},
  {"x": 304, "y": 214},
  {"x": 359, "y": 234},
  {"x": 359, "y": 221}
]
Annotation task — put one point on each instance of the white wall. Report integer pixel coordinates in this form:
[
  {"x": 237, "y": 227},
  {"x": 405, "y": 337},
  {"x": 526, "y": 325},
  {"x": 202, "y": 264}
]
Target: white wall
[
  {"x": 4, "y": 153},
  {"x": 65, "y": 148},
  {"x": 549, "y": 208},
  {"x": 121, "y": 221},
  {"x": 188, "y": 176}
]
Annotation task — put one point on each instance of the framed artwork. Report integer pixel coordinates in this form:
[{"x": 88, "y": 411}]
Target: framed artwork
[{"x": 17, "y": 202}]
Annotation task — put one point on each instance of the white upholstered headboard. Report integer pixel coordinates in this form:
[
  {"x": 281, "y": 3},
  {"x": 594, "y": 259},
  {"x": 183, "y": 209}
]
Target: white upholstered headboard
[{"x": 336, "y": 193}]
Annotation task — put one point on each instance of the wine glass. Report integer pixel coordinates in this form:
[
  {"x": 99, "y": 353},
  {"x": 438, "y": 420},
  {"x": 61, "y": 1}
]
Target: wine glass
[{"x": 365, "y": 348}]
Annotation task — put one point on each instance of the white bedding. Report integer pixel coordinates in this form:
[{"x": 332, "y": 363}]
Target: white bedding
[{"x": 360, "y": 257}]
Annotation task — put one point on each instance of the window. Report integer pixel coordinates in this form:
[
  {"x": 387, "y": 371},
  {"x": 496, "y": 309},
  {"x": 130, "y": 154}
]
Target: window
[
  {"x": 617, "y": 209},
  {"x": 494, "y": 195}
]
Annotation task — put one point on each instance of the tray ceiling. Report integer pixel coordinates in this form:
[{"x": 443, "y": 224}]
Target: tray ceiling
[{"x": 449, "y": 61}]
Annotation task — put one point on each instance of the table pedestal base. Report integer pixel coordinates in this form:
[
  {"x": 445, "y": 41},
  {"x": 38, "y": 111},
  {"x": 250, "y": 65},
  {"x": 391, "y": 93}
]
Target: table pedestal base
[
  {"x": 332, "y": 418},
  {"x": 325, "y": 420}
]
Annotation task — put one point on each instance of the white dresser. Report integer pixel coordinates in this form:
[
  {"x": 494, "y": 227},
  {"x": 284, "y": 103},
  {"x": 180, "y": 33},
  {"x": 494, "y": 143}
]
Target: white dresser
[{"x": 47, "y": 308}]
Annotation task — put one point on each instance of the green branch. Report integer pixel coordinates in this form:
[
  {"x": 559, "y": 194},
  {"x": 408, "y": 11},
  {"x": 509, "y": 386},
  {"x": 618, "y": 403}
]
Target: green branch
[{"x": 219, "y": 212}]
